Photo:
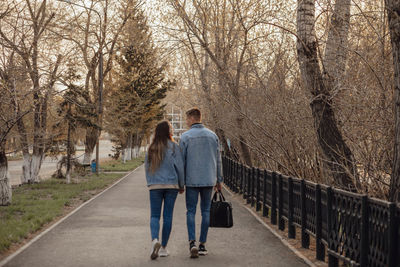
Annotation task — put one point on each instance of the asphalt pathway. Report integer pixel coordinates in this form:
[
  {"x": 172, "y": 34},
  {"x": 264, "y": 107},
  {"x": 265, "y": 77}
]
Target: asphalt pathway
[{"x": 113, "y": 230}]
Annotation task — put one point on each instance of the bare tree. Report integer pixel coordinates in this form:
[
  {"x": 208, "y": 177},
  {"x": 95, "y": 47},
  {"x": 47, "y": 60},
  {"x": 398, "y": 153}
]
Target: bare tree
[
  {"x": 25, "y": 39},
  {"x": 222, "y": 30},
  {"x": 393, "y": 11},
  {"x": 337, "y": 155},
  {"x": 95, "y": 35},
  {"x": 9, "y": 75}
]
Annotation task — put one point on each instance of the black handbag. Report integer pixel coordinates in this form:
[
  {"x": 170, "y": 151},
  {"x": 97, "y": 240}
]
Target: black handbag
[{"x": 220, "y": 212}]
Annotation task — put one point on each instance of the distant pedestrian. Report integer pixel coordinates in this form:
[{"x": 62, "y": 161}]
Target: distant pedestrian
[
  {"x": 165, "y": 178},
  {"x": 200, "y": 149}
]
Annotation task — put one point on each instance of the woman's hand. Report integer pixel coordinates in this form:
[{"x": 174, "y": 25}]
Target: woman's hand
[{"x": 181, "y": 190}]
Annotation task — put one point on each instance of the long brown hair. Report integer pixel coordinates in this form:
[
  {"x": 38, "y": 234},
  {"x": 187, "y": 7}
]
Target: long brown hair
[{"x": 158, "y": 146}]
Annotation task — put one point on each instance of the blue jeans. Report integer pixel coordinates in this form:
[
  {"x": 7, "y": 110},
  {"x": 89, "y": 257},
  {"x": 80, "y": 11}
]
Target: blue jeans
[
  {"x": 192, "y": 196},
  {"x": 157, "y": 196}
]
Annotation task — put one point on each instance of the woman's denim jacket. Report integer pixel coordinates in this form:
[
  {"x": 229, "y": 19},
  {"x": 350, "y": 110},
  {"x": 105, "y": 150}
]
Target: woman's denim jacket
[
  {"x": 201, "y": 155},
  {"x": 171, "y": 170}
]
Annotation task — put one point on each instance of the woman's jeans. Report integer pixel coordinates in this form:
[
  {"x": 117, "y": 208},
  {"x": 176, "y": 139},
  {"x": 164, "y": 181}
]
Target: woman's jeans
[
  {"x": 157, "y": 196},
  {"x": 192, "y": 196}
]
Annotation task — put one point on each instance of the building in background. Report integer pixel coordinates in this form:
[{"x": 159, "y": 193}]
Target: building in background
[{"x": 175, "y": 116}]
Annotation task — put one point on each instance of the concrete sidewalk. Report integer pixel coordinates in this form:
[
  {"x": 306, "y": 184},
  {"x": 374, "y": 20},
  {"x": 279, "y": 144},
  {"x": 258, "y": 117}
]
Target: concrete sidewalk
[{"x": 113, "y": 230}]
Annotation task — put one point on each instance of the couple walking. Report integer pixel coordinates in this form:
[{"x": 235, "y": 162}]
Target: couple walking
[{"x": 195, "y": 164}]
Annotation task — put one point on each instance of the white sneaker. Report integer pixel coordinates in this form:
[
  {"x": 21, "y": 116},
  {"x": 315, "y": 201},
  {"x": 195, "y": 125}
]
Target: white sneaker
[
  {"x": 163, "y": 252},
  {"x": 155, "y": 247}
]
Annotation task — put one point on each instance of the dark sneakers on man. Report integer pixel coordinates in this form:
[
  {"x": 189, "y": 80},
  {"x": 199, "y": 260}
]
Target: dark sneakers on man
[
  {"x": 202, "y": 250},
  {"x": 194, "y": 252}
]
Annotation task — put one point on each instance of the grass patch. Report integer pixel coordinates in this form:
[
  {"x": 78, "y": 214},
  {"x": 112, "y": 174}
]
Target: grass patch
[
  {"x": 118, "y": 165},
  {"x": 34, "y": 206}
]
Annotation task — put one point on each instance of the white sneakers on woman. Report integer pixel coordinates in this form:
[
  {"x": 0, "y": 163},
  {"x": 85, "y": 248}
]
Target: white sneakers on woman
[
  {"x": 155, "y": 247},
  {"x": 157, "y": 250},
  {"x": 163, "y": 252}
]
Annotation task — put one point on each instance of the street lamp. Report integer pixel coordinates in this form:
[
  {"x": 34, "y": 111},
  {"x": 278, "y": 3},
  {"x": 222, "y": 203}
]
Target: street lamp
[{"x": 100, "y": 90}]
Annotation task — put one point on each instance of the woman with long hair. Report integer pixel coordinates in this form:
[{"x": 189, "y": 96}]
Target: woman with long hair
[{"x": 165, "y": 178}]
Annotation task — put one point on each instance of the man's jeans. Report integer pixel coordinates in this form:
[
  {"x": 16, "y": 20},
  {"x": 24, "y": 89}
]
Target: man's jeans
[
  {"x": 192, "y": 196},
  {"x": 157, "y": 196}
]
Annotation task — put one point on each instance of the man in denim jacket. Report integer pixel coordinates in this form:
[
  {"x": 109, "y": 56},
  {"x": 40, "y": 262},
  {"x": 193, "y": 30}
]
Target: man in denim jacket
[{"x": 202, "y": 160}]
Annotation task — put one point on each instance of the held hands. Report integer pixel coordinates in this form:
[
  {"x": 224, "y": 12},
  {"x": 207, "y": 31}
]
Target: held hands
[
  {"x": 181, "y": 190},
  {"x": 218, "y": 187}
]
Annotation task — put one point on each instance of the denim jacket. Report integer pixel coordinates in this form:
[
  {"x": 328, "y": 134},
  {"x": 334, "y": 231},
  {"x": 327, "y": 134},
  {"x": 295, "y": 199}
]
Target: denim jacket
[
  {"x": 201, "y": 155},
  {"x": 171, "y": 170}
]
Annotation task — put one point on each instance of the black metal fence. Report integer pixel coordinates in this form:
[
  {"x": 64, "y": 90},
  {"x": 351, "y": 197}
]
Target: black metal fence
[{"x": 354, "y": 228}]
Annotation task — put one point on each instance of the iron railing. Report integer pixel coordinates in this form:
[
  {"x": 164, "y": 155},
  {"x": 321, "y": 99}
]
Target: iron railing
[{"x": 354, "y": 228}]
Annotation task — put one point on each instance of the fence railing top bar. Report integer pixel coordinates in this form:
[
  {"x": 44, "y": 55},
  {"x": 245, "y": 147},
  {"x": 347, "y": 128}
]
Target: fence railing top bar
[
  {"x": 347, "y": 193},
  {"x": 309, "y": 183},
  {"x": 296, "y": 180},
  {"x": 324, "y": 186},
  {"x": 267, "y": 172},
  {"x": 285, "y": 177},
  {"x": 380, "y": 202}
]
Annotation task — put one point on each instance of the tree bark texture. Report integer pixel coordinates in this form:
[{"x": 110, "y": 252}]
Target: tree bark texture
[
  {"x": 337, "y": 44},
  {"x": 338, "y": 157},
  {"x": 5, "y": 186},
  {"x": 90, "y": 143},
  {"x": 393, "y": 11},
  {"x": 128, "y": 148}
]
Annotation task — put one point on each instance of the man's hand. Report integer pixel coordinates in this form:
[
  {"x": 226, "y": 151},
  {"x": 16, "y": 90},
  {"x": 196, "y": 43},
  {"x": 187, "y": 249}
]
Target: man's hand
[
  {"x": 218, "y": 187},
  {"x": 181, "y": 190}
]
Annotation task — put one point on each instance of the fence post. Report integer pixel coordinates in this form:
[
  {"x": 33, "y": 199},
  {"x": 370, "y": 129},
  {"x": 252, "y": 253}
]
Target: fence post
[
  {"x": 305, "y": 238},
  {"x": 265, "y": 208},
  {"x": 273, "y": 199},
  {"x": 258, "y": 190},
  {"x": 236, "y": 177},
  {"x": 392, "y": 235},
  {"x": 364, "y": 232},
  {"x": 229, "y": 172},
  {"x": 332, "y": 260},
  {"x": 318, "y": 224},
  {"x": 253, "y": 173},
  {"x": 249, "y": 174},
  {"x": 281, "y": 222},
  {"x": 245, "y": 189},
  {"x": 241, "y": 179},
  {"x": 232, "y": 186},
  {"x": 223, "y": 165},
  {"x": 291, "y": 227}
]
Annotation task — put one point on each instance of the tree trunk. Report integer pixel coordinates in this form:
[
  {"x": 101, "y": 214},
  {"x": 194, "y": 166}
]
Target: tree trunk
[
  {"x": 26, "y": 165},
  {"x": 338, "y": 157},
  {"x": 68, "y": 172},
  {"x": 128, "y": 153},
  {"x": 393, "y": 11},
  {"x": 90, "y": 143},
  {"x": 36, "y": 163},
  {"x": 123, "y": 152},
  {"x": 5, "y": 186},
  {"x": 337, "y": 44},
  {"x": 137, "y": 144}
]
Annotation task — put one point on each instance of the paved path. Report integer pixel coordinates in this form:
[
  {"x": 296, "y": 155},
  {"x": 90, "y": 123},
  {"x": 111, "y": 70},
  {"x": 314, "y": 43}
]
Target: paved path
[{"x": 113, "y": 230}]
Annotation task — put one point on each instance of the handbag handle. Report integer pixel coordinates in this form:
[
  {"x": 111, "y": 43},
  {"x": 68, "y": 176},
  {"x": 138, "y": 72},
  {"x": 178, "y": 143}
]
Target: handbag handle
[{"x": 221, "y": 196}]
